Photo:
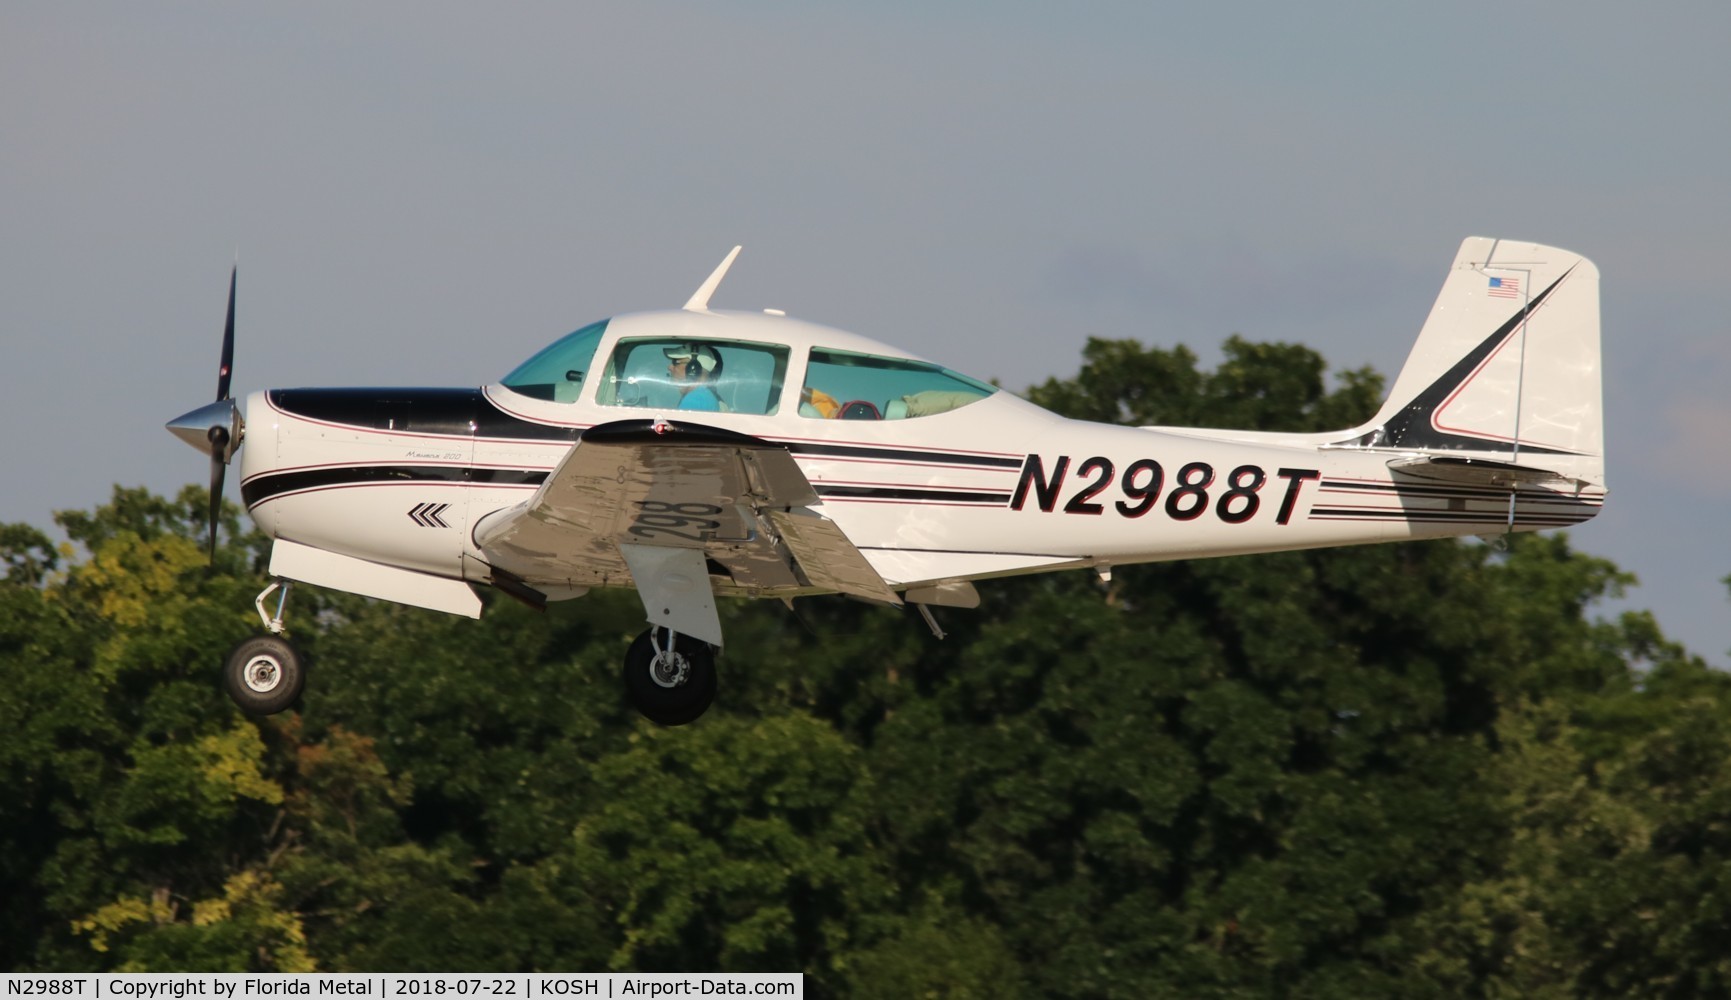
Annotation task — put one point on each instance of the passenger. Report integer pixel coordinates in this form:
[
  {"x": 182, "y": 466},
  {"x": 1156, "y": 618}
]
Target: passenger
[
  {"x": 694, "y": 368},
  {"x": 827, "y": 406}
]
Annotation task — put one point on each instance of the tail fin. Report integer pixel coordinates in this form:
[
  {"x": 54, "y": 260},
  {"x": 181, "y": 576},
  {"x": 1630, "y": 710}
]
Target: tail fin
[{"x": 1506, "y": 368}]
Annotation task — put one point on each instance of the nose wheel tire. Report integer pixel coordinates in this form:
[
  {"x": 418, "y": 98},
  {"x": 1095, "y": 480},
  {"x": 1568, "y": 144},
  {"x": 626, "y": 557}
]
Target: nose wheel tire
[
  {"x": 264, "y": 675},
  {"x": 673, "y": 685}
]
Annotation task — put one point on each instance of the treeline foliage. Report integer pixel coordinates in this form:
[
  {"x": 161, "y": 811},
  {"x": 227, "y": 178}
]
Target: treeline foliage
[{"x": 1397, "y": 770}]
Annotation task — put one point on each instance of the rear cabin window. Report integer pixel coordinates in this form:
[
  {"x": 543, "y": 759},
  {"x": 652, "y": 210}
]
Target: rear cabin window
[
  {"x": 842, "y": 385},
  {"x": 727, "y": 376},
  {"x": 557, "y": 372}
]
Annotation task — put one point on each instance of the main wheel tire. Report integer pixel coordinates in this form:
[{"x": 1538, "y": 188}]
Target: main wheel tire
[
  {"x": 676, "y": 687},
  {"x": 264, "y": 675}
]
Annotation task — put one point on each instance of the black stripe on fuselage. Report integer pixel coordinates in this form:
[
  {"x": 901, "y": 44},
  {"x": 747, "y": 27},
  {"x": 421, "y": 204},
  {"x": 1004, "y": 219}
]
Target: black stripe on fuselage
[
  {"x": 265, "y": 487},
  {"x": 465, "y": 413},
  {"x": 899, "y": 493},
  {"x": 898, "y": 455},
  {"x": 270, "y": 485},
  {"x": 469, "y": 413},
  {"x": 1446, "y": 491},
  {"x": 1541, "y": 518}
]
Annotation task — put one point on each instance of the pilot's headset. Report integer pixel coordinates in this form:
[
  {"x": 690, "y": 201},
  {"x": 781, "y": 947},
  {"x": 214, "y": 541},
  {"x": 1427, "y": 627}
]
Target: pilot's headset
[{"x": 705, "y": 356}]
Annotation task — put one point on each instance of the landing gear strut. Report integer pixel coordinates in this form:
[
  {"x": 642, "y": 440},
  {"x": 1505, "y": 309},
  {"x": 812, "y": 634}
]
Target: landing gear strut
[
  {"x": 264, "y": 674},
  {"x": 670, "y": 677}
]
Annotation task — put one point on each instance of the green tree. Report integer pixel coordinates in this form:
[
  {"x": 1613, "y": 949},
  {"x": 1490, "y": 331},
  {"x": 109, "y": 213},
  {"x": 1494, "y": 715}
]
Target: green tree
[
  {"x": 1414, "y": 770},
  {"x": 125, "y": 780},
  {"x": 1241, "y": 776}
]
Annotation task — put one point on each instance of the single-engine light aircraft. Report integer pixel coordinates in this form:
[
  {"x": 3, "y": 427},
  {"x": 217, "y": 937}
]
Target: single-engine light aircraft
[{"x": 698, "y": 453}]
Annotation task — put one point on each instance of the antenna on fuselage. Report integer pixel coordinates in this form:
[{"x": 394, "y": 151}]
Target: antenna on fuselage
[{"x": 700, "y": 299}]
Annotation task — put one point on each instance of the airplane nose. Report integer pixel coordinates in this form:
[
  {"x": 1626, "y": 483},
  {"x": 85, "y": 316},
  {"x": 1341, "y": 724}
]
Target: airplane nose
[{"x": 201, "y": 427}]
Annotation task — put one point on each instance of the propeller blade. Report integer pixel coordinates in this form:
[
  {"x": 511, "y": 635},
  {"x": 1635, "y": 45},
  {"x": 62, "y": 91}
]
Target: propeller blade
[
  {"x": 227, "y": 368},
  {"x": 218, "y": 470},
  {"x": 216, "y": 429}
]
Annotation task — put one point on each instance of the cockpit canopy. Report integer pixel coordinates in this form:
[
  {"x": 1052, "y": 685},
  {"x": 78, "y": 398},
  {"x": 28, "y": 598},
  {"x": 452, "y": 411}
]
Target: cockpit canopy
[{"x": 690, "y": 369}]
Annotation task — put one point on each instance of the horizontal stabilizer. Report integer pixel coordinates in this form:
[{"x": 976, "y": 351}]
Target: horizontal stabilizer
[{"x": 1476, "y": 471}]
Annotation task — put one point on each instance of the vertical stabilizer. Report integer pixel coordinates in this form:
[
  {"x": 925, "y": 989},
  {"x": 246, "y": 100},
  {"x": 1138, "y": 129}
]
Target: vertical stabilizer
[{"x": 1506, "y": 368}]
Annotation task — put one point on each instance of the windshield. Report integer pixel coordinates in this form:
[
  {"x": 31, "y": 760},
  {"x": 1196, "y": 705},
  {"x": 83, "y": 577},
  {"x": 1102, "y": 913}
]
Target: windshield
[
  {"x": 557, "y": 371},
  {"x": 842, "y": 385}
]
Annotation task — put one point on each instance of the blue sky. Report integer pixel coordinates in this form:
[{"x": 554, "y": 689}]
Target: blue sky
[{"x": 425, "y": 193}]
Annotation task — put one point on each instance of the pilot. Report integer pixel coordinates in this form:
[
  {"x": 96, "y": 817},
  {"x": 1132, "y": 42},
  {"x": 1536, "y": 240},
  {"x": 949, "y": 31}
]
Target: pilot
[{"x": 694, "y": 368}]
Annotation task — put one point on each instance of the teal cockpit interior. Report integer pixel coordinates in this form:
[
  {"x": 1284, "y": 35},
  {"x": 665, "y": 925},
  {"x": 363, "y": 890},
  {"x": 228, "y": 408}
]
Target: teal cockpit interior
[{"x": 743, "y": 376}]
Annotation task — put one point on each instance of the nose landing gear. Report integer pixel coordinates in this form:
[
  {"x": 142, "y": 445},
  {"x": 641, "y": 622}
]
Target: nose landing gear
[
  {"x": 670, "y": 677},
  {"x": 264, "y": 674}
]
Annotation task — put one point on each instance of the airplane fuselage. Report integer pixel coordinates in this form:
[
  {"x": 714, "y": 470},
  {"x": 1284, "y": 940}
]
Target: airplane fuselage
[{"x": 401, "y": 477}]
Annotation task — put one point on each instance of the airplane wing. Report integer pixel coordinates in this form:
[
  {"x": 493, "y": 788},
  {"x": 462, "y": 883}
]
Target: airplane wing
[{"x": 674, "y": 509}]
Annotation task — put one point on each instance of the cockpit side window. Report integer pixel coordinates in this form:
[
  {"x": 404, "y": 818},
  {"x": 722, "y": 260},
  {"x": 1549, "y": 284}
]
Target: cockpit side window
[
  {"x": 557, "y": 372},
  {"x": 842, "y": 385},
  {"x": 727, "y": 376}
]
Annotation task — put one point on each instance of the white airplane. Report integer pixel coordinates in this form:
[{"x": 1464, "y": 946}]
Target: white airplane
[{"x": 697, "y": 453}]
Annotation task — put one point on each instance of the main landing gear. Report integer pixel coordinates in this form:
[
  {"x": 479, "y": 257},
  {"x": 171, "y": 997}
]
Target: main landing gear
[
  {"x": 264, "y": 674},
  {"x": 670, "y": 677}
]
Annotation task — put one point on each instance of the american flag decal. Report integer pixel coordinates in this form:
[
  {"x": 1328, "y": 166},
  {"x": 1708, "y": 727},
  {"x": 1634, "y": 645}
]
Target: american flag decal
[{"x": 1505, "y": 288}]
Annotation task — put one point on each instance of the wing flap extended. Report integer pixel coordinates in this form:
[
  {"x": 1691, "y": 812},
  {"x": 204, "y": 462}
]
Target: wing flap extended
[{"x": 828, "y": 559}]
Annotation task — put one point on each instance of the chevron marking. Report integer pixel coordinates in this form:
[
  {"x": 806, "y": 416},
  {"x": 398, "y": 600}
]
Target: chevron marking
[{"x": 427, "y": 515}]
